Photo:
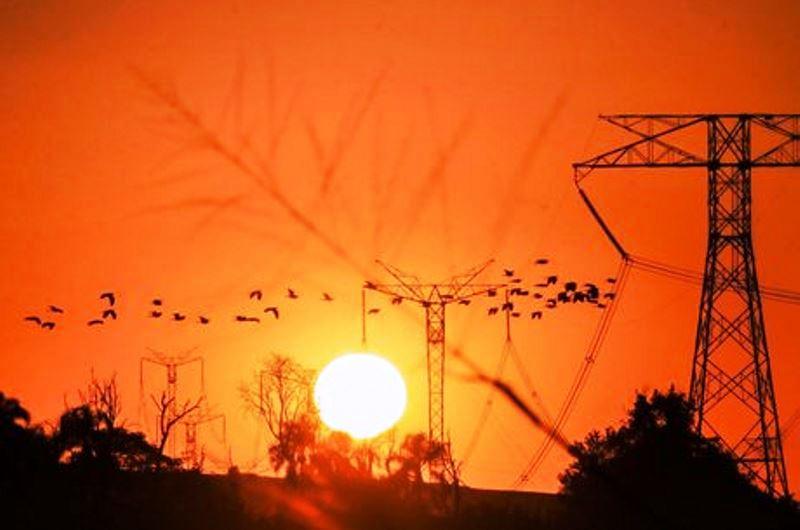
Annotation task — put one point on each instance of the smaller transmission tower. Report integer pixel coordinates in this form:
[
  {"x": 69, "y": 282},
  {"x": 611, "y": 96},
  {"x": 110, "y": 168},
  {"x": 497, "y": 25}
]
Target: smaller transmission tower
[
  {"x": 171, "y": 365},
  {"x": 191, "y": 456},
  {"x": 434, "y": 298}
]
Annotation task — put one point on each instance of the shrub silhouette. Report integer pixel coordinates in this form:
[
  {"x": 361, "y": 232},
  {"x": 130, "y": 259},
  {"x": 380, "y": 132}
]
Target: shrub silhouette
[{"x": 656, "y": 471}]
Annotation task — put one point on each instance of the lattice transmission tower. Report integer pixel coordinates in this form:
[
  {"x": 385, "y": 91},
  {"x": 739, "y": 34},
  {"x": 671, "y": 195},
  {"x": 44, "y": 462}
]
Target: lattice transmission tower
[
  {"x": 170, "y": 363},
  {"x": 731, "y": 384},
  {"x": 434, "y": 298}
]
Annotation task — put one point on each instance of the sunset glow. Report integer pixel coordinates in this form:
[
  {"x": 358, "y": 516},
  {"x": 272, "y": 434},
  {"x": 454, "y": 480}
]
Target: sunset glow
[{"x": 361, "y": 394}]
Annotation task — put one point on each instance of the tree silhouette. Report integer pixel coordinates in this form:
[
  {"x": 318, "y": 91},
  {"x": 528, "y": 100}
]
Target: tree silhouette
[
  {"x": 170, "y": 414},
  {"x": 280, "y": 397},
  {"x": 91, "y": 436},
  {"x": 656, "y": 471}
]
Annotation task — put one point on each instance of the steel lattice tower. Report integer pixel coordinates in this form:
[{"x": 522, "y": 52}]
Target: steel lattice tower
[
  {"x": 435, "y": 297},
  {"x": 731, "y": 364}
]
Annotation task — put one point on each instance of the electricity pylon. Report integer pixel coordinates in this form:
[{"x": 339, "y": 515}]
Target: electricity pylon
[
  {"x": 171, "y": 364},
  {"x": 191, "y": 457},
  {"x": 731, "y": 364},
  {"x": 435, "y": 297}
]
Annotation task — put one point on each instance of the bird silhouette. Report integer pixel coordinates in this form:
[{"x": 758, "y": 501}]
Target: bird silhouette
[
  {"x": 515, "y": 314},
  {"x": 109, "y": 296},
  {"x": 156, "y": 301},
  {"x": 464, "y": 302},
  {"x": 155, "y": 314},
  {"x": 203, "y": 320},
  {"x": 374, "y": 311},
  {"x": 536, "y": 315},
  {"x": 55, "y": 309},
  {"x": 508, "y": 306},
  {"x": 609, "y": 296},
  {"x": 492, "y": 311},
  {"x": 541, "y": 285},
  {"x": 562, "y": 296},
  {"x": 48, "y": 325},
  {"x": 541, "y": 261},
  {"x": 552, "y": 280},
  {"x": 34, "y": 319},
  {"x": 292, "y": 294},
  {"x": 611, "y": 280},
  {"x": 369, "y": 285},
  {"x": 95, "y": 322},
  {"x": 578, "y": 297},
  {"x": 551, "y": 303},
  {"x": 110, "y": 313},
  {"x": 326, "y": 297},
  {"x": 274, "y": 311},
  {"x": 255, "y": 295},
  {"x": 570, "y": 286},
  {"x": 508, "y": 272},
  {"x": 242, "y": 318},
  {"x": 538, "y": 296},
  {"x": 515, "y": 280},
  {"x": 601, "y": 306},
  {"x": 397, "y": 300},
  {"x": 177, "y": 317},
  {"x": 491, "y": 292}
]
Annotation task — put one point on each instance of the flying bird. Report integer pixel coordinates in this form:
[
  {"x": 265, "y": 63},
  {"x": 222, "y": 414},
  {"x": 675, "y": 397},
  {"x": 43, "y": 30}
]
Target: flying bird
[
  {"x": 464, "y": 302},
  {"x": 508, "y": 306},
  {"x": 552, "y": 280},
  {"x": 242, "y": 318},
  {"x": 55, "y": 309},
  {"x": 274, "y": 311},
  {"x": 536, "y": 315},
  {"x": 610, "y": 296},
  {"x": 203, "y": 320},
  {"x": 542, "y": 261},
  {"x": 178, "y": 317},
  {"x": 95, "y": 322},
  {"x": 508, "y": 272},
  {"x": 291, "y": 294},
  {"x": 109, "y": 296},
  {"x": 551, "y": 303},
  {"x": 155, "y": 314},
  {"x": 515, "y": 314},
  {"x": 491, "y": 292},
  {"x": 492, "y": 311},
  {"x": 48, "y": 325},
  {"x": 369, "y": 285},
  {"x": 255, "y": 295},
  {"x": 110, "y": 313},
  {"x": 515, "y": 280},
  {"x": 156, "y": 301},
  {"x": 326, "y": 297},
  {"x": 611, "y": 280},
  {"x": 601, "y": 306},
  {"x": 397, "y": 300},
  {"x": 570, "y": 286},
  {"x": 374, "y": 311},
  {"x": 538, "y": 296},
  {"x": 34, "y": 319}
]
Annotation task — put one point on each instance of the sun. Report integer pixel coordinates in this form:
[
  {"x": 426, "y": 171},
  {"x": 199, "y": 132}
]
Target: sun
[{"x": 361, "y": 394}]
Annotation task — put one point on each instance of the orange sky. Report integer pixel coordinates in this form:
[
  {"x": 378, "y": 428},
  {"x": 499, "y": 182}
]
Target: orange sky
[{"x": 462, "y": 153}]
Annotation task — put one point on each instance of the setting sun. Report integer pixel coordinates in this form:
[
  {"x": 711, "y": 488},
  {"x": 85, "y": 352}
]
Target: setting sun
[{"x": 361, "y": 394}]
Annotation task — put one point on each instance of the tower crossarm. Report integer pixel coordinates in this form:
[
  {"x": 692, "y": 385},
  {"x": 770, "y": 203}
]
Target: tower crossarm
[
  {"x": 658, "y": 138},
  {"x": 652, "y": 149},
  {"x": 436, "y": 293}
]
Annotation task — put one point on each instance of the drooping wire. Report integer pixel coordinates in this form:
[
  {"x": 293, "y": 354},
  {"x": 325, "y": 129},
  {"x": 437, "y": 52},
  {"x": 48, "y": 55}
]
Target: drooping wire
[{"x": 579, "y": 381}]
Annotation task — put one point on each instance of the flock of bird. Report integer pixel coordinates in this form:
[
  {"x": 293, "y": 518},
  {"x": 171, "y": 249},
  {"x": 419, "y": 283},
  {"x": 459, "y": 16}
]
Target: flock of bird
[
  {"x": 541, "y": 292},
  {"x": 571, "y": 293},
  {"x": 157, "y": 311}
]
